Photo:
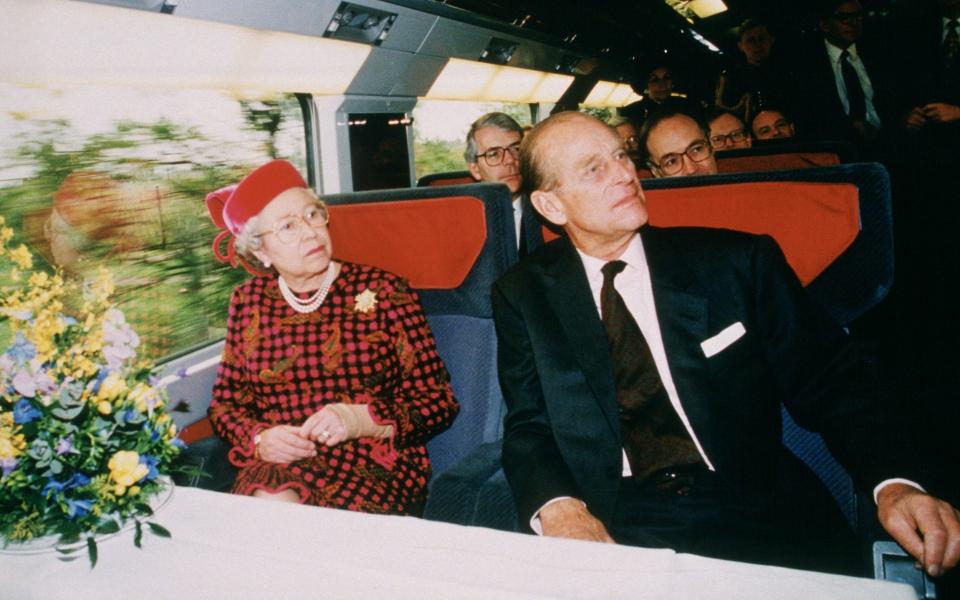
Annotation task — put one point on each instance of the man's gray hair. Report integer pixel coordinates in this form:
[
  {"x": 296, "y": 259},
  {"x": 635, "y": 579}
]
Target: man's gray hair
[{"x": 501, "y": 121}]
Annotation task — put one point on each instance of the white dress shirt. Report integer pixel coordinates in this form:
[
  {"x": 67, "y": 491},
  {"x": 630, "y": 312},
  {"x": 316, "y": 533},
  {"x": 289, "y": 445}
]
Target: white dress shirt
[
  {"x": 835, "y": 55},
  {"x": 633, "y": 284},
  {"x": 517, "y": 216}
]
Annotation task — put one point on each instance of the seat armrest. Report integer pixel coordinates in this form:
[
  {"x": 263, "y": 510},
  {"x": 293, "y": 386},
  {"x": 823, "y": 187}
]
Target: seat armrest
[{"x": 454, "y": 493}]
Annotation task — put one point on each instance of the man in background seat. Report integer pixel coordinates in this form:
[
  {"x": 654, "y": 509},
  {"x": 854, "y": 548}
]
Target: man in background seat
[{"x": 493, "y": 145}]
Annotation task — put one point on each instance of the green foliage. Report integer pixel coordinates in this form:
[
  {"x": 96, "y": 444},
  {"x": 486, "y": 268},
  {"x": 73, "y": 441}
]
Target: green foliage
[
  {"x": 603, "y": 113},
  {"x": 437, "y": 156}
]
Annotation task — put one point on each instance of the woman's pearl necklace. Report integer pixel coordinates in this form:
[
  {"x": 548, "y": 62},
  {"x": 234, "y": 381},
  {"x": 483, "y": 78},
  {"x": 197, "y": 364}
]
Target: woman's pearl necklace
[{"x": 314, "y": 301}]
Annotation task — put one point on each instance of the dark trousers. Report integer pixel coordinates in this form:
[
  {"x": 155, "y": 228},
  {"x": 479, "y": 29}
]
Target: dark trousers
[{"x": 700, "y": 513}]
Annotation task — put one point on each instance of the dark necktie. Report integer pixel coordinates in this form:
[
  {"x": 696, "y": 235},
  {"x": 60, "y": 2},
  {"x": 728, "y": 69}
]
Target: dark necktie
[
  {"x": 951, "y": 46},
  {"x": 855, "y": 97},
  {"x": 653, "y": 435}
]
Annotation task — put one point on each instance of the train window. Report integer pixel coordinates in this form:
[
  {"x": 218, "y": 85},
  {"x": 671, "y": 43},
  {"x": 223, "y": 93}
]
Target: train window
[
  {"x": 378, "y": 150},
  {"x": 117, "y": 177},
  {"x": 440, "y": 130}
]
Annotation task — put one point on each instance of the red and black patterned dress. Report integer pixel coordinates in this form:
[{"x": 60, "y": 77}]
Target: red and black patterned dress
[{"x": 280, "y": 366}]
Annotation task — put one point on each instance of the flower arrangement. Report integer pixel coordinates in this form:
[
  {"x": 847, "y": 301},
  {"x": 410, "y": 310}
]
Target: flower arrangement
[{"x": 84, "y": 435}]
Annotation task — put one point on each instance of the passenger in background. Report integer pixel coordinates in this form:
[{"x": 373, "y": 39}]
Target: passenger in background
[
  {"x": 657, "y": 89},
  {"x": 844, "y": 92},
  {"x": 772, "y": 124},
  {"x": 760, "y": 80},
  {"x": 728, "y": 132},
  {"x": 935, "y": 92},
  {"x": 330, "y": 383},
  {"x": 627, "y": 131},
  {"x": 677, "y": 143},
  {"x": 493, "y": 144}
]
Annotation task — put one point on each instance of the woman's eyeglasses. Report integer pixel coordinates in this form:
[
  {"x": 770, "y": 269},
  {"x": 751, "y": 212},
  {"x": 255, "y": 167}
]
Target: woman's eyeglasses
[{"x": 290, "y": 229}]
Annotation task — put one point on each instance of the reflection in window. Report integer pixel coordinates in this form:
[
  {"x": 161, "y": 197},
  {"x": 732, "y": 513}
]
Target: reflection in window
[
  {"x": 117, "y": 177},
  {"x": 440, "y": 130}
]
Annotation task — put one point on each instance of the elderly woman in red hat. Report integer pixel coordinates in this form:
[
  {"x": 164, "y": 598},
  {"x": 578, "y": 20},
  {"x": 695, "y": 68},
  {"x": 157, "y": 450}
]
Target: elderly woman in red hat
[{"x": 330, "y": 383}]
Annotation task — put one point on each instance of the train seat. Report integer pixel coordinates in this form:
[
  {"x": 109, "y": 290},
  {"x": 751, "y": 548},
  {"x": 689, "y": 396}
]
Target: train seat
[
  {"x": 446, "y": 178},
  {"x": 846, "y": 209}
]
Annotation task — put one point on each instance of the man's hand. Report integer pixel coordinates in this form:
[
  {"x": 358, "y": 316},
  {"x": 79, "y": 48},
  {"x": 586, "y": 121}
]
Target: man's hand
[
  {"x": 569, "y": 518},
  {"x": 915, "y": 119},
  {"x": 941, "y": 112},
  {"x": 926, "y": 527}
]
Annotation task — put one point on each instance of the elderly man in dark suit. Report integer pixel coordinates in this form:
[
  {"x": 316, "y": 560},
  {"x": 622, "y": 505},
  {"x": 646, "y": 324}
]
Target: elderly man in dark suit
[{"x": 643, "y": 371}]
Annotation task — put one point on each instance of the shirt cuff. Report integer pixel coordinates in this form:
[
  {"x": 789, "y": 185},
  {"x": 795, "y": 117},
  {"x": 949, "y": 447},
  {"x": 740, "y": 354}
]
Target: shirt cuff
[
  {"x": 535, "y": 519},
  {"x": 887, "y": 482}
]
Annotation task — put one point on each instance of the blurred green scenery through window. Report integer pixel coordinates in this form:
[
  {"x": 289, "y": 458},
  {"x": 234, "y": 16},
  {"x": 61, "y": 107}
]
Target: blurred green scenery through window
[{"x": 117, "y": 177}]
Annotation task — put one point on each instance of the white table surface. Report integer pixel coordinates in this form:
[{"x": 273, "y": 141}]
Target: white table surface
[{"x": 226, "y": 546}]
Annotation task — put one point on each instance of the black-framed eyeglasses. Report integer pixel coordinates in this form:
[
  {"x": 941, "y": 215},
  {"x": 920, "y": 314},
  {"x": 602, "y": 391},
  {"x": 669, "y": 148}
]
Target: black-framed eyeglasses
[
  {"x": 672, "y": 163},
  {"x": 494, "y": 156},
  {"x": 734, "y": 137},
  {"x": 290, "y": 229}
]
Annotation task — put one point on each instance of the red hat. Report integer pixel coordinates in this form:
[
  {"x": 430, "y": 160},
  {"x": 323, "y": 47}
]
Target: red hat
[
  {"x": 257, "y": 190},
  {"x": 232, "y": 206}
]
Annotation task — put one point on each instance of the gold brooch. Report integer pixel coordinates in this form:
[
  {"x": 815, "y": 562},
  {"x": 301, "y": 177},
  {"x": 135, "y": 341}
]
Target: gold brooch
[{"x": 365, "y": 301}]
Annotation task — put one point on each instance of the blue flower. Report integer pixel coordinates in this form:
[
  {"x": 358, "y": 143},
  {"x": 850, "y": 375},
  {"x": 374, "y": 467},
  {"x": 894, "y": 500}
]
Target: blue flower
[
  {"x": 22, "y": 350},
  {"x": 151, "y": 463},
  {"x": 78, "y": 508},
  {"x": 24, "y": 412},
  {"x": 77, "y": 480},
  {"x": 178, "y": 443},
  {"x": 101, "y": 375},
  {"x": 129, "y": 416}
]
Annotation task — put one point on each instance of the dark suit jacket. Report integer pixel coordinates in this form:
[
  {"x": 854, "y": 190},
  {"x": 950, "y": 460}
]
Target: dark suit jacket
[
  {"x": 817, "y": 109},
  {"x": 562, "y": 433},
  {"x": 530, "y": 225}
]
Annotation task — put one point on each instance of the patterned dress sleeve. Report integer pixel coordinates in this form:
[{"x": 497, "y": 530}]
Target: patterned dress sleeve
[
  {"x": 422, "y": 403},
  {"x": 232, "y": 411}
]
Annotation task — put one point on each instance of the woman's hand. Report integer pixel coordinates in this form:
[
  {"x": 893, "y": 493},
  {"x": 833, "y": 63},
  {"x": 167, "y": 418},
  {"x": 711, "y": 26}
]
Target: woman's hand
[
  {"x": 324, "y": 427},
  {"x": 284, "y": 444}
]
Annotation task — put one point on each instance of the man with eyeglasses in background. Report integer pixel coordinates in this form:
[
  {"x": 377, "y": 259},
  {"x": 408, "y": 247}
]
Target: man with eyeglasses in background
[
  {"x": 728, "y": 132},
  {"x": 677, "y": 143},
  {"x": 493, "y": 145},
  {"x": 627, "y": 131}
]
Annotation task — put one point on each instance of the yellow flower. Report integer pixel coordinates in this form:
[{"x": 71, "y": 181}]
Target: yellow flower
[
  {"x": 145, "y": 398},
  {"x": 12, "y": 443},
  {"x": 111, "y": 387},
  {"x": 104, "y": 407},
  {"x": 5, "y": 234},
  {"x": 365, "y": 301},
  {"x": 38, "y": 279},
  {"x": 22, "y": 257},
  {"x": 134, "y": 490},
  {"x": 103, "y": 286},
  {"x": 126, "y": 470}
]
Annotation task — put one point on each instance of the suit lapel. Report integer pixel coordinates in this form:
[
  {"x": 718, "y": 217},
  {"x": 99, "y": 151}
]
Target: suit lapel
[
  {"x": 568, "y": 294},
  {"x": 682, "y": 312}
]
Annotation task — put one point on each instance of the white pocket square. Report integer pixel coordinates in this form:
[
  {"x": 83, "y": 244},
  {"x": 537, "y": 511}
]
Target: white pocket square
[{"x": 723, "y": 339}]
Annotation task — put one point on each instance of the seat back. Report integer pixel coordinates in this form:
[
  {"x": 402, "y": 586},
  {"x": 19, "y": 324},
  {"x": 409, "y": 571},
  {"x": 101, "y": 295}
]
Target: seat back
[
  {"x": 451, "y": 243},
  {"x": 834, "y": 225},
  {"x": 446, "y": 178}
]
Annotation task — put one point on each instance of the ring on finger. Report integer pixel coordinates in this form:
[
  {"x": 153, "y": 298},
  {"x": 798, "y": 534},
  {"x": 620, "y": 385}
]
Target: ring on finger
[{"x": 324, "y": 435}]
